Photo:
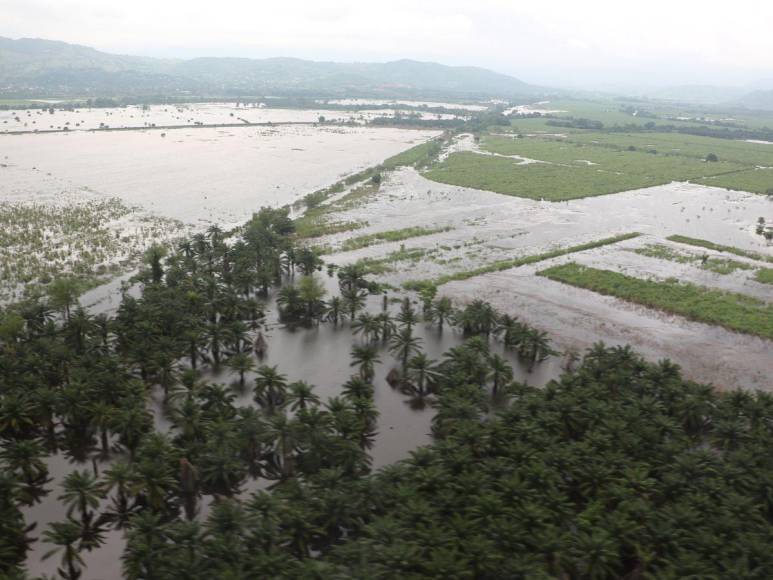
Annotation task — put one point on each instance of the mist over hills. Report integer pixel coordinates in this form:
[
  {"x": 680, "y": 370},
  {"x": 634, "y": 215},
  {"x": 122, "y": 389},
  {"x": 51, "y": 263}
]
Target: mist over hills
[{"x": 35, "y": 67}]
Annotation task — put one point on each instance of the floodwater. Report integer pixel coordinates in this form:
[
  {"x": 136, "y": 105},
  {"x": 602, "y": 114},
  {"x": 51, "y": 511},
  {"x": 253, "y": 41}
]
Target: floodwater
[
  {"x": 196, "y": 174},
  {"x": 398, "y": 102},
  {"x": 199, "y": 114},
  {"x": 318, "y": 355},
  {"x": 485, "y": 227}
]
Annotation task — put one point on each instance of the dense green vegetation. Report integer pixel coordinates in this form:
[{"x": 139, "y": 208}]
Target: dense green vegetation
[
  {"x": 734, "y": 311},
  {"x": 516, "y": 262},
  {"x": 83, "y": 386},
  {"x": 720, "y": 248},
  {"x": 619, "y": 469}
]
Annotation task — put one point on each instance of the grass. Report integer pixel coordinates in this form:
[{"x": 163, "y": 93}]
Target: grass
[
  {"x": 764, "y": 275},
  {"x": 566, "y": 176},
  {"x": 720, "y": 248},
  {"x": 388, "y": 236},
  {"x": 680, "y": 145},
  {"x": 500, "y": 265},
  {"x": 717, "y": 265},
  {"x": 755, "y": 180},
  {"x": 727, "y": 309}
]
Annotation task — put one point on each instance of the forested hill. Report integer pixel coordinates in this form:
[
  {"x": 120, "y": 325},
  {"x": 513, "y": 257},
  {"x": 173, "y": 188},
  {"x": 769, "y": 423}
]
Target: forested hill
[{"x": 35, "y": 67}]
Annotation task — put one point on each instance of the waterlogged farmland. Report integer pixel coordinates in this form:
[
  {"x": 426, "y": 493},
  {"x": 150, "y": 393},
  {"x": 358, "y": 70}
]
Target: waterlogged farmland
[{"x": 315, "y": 342}]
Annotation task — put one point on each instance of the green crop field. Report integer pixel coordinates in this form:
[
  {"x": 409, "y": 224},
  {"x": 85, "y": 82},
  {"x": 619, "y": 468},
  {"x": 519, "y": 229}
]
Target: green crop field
[
  {"x": 614, "y": 158},
  {"x": 733, "y": 311},
  {"x": 754, "y": 180},
  {"x": 750, "y": 154},
  {"x": 567, "y": 176}
]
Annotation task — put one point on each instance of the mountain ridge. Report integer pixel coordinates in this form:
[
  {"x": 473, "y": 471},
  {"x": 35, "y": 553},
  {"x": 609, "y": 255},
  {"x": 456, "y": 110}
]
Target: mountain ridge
[{"x": 41, "y": 67}]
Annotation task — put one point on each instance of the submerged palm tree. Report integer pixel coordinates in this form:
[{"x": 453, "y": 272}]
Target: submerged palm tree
[
  {"x": 422, "y": 374},
  {"x": 301, "y": 396},
  {"x": 270, "y": 389},
  {"x": 365, "y": 358},
  {"x": 404, "y": 345},
  {"x": 66, "y": 537},
  {"x": 242, "y": 363}
]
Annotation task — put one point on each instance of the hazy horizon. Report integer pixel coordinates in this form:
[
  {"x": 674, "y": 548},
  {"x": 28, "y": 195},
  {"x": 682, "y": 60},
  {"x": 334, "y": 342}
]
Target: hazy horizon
[{"x": 662, "y": 44}]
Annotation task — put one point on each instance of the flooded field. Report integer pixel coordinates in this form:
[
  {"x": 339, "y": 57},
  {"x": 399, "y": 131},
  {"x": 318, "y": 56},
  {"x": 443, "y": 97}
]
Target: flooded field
[
  {"x": 198, "y": 176},
  {"x": 483, "y": 227},
  {"x": 195, "y": 175},
  {"x": 203, "y": 114},
  {"x": 398, "y": 102}
]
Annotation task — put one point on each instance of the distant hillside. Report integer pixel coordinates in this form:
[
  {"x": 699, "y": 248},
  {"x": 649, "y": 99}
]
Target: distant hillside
[
  {"x": 34, "y": 67},
  {"x": 698, "y": 94},
  {"x": 762, "y": 100}
]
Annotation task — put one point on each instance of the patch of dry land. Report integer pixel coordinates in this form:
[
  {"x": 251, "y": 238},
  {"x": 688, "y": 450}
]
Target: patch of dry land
[{"x": 479, "y": 244}]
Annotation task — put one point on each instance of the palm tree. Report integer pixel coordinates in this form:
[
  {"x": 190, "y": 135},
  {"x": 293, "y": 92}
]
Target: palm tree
[
  {"x": 270, "y": 389},
  {"x": 282, "y": 432},
  {"x": 365, "y": 357},
  {"x": 387, "y": 325},
  {"x": 222, "y": 470},
  {"x": 301, "y": 395},
  {"x": 442, "y": 310},
  {"x": 334, "y": 310},
  {"x": 353, "y": 300},
  {"x": 153, "y": 482},
  {"x": 119, "y": 477},
  {"x": 153, "y": 257},
  {"x": 422, "y": 373},
  {"x": 63, "y": 293},
  {"x": 500, "y": 372},
  {"x": 407, "y": 317},
  {"x": 357, "y": 387},
  {"x": 311, "y": 293},
  {"x": 17, "y": 415},
  {"x": 403, "y": 345},
  {"x": 65, "y": 535},
  {"x": 478, "y": 317},
  {"x": 367, "y": 325},
  {"x": 102, "y": 417},
  {"x": 242, "y": 363},
  {"x": 535, "y": 347},
  {"x": 81, "y": 493},
  {"x": 25, "y": 459},
  {"x": 351, "y": 277},
  {"x": 130, "y": 424}
]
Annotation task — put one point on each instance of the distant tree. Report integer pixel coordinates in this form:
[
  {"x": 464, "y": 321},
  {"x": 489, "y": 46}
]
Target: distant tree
[{"x": 711, "y": 157}]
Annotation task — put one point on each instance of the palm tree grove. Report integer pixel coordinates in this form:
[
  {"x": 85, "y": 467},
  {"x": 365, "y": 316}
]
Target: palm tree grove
[{"x": 620, "y": 468}]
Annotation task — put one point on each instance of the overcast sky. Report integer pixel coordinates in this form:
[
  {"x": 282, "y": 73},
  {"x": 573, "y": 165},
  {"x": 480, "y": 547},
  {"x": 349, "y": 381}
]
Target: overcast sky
[{"x": 558, "y": 42}]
